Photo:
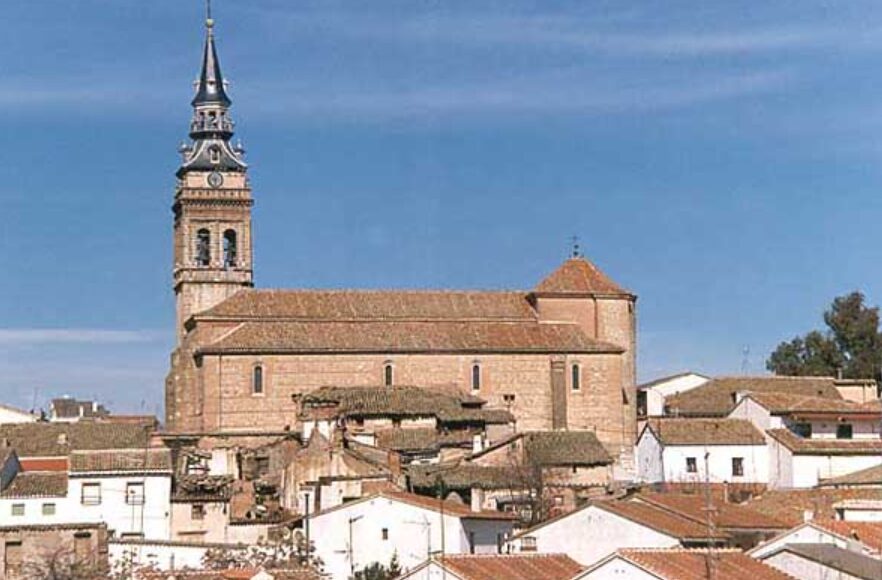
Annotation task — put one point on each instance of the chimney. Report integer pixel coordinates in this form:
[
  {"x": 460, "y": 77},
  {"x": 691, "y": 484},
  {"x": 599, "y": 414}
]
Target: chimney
[
  {"x": 808, "y": 515},
  {"x": 477, "y": 443},
  {"x": 738, "y": 396}
]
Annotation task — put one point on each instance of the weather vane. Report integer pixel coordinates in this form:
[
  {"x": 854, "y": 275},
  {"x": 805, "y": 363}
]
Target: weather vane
[
  {"x": 577, "y": 251},
  {"x": 208, "y": 18}
]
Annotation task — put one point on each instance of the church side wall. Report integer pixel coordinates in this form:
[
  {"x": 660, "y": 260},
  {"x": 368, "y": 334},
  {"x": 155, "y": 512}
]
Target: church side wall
[{"x": 231, "y": 405}]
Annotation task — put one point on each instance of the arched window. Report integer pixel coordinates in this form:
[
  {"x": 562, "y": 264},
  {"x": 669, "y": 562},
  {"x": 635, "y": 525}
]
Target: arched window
[
  {"x": 203, "y": 247},
  {"x": 257, "y": 380},
  {"x": 476, "y": 377},
  {"x": 230, "y": 249},
  {"x": 388, "y": 374},
  {"x": 214, "y": 155},
  {"x": 577, "y": 378}
]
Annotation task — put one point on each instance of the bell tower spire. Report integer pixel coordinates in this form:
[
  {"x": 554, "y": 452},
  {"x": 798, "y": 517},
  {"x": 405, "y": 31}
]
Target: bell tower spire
[{"x": 212, "y": 205}]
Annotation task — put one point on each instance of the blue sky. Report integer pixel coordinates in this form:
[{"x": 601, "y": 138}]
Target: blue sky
[{"x": 720, "y": 159}]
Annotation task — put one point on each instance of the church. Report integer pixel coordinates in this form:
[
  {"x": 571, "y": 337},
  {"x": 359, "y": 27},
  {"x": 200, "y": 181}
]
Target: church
[{"x": 558, "y": 356}]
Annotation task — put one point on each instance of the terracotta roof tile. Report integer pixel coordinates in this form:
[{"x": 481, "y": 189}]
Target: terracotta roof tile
[
  {"x": 406, "y": 336},
  {"x": 784, "y": 403},
  {"x": 121, "y": 460},
  {"x": 662, "y": 520},
  {"x": 867, "y": 533},
  {"x": 36, "y": 484},
  {"x": 511, "y": 567},
  {"x": 330, "y": 305},
  {"x": 448, "y": 407},
  {"x": 464, "y": 476},
  {"x": 579, "y": 276},
  {"x": 717, "y": 396},
  {"x": 808, "y": 446},
  {"x": 550, "y": 448},
  {"x": 680, "y": 564},
  {"x": 421, "y": 439},
  {"x": 791, "y": 505},
  {"x": 56, "y": 439},
  {"x": 869, "y": 476},
  {"x": 726, "y": 515},
  {"x": 685, "y": 431}
]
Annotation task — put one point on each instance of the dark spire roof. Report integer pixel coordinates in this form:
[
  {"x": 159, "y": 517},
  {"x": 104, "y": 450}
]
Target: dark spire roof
[{"x": 211, "y": 89}]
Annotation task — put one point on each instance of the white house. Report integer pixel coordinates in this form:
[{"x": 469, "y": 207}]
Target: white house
[
  {"x": 862, "y": 537},
  {"x": 129, "y": 490},
  {"x": 9, "y": 415},
  {"x": 649, "y": 564},
  {"x": 809, "y": 417},
  {"x": 800, "y": 462},
  {"x": 599, "y": 529},
  {"x": 823, "y": 562},
  {"x": 696, "y": 450},
  {"x": 37, "y": 498},
  {"x": 508, "y": 567},
  {"x": 651, "y": 396},
  {"x": 372, "y": 529},
  {"x": 163, "y": 554}
]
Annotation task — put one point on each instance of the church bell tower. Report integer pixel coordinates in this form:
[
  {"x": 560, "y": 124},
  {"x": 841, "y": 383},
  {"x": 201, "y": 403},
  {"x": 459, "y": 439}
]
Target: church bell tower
[{"x": 212, "y": 205}]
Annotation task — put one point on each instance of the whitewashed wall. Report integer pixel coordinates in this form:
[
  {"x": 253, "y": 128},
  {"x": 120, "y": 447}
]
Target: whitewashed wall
[
  {"x": 616, "y": 569},
  {"x": 589, "y": 535},
  {"x": 655, "y": 395},
  {"x": 10, "y": 415},
  {"x": 153, "y": 519},
  {"x": 719, "y": 463},
  {"x": 649, "y": 458}
]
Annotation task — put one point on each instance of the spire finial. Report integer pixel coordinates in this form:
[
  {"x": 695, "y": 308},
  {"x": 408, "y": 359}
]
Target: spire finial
[
  {"x": 209, "y": 21},
  {"x": 576, "y": 248}
]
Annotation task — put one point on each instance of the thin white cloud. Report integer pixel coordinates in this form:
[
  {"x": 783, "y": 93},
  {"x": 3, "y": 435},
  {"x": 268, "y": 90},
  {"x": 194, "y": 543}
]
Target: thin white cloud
[{"x": 31, "y": 336}]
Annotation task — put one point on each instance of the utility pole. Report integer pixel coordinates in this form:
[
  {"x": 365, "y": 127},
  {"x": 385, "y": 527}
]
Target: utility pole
[
  {"x": 710, "y": 557},
  {"x": 351, "y": 549}
]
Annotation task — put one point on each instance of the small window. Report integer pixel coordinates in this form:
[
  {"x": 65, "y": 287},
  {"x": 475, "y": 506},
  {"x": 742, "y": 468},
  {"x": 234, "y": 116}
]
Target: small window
[
  {"x": 230, "y": 249},
  {"x": 388, "y": 375},
  {"x": 48, "y": 509},
  {"x": 262, "y": 466},
  {"x": 577, "y": 378},
  {"x": 135, "y": 493},
  {"x": 476, "y": 377},
  {"x": 91, "y": 494},
  {"x": 197, "y": 511},
  {"x": 737, "y": 467},
  {"x": 385, "y": 533},
  {"x": 508, "y": 398},
  {"x": 471, "y": 542},
  {"x": 203, "y": 247},
  {"x": 691, "y": 465},
  {"x": 804, "y": 430},
  {"x": 528, "y": 544},
  {"x": 18, "y": 509},
  {"x": 214, "y": 154},
  {"x": 844, "y": 431},
  {"x": 575, "y": 469},
  {"x": 257, "y": 380}
]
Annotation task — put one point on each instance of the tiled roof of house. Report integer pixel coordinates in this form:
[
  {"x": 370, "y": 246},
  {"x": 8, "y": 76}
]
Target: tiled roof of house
[
  {"x": 449, "y": 507},
  {"x": 717, "y": 397},
  {"x": 867, "y": 533},
  {"x": 465, "y": 476},
  {"x": 784, "y": 403},
  {"x": 726, "y": 515},
  {"x": 347, "y": 305},
  {"x": 121, "y": 460},
  {"x": 188, "y": 488},
  {"x": 846, "y": 562},
  {"x": 662, "y": 520},
  {"x": 808, "y": 446},
  {"x": 36, "y": 484},
  {"x": 681, "y": 564},
  {"x": 868, "y": 476},
  {"x": 550, "y": 448},
  {"x": 421, "y": 439},
  {"x": 407, "y": 337},
  {"x": 791, "y": 505},
  {"x": 510, "y": 567},
  {"x": 232, "y": 574},
  {"x": 685, "y": 431},
  {"x": 57, "y": 439},
  {"x": 448, "y": 407},
  {"x": 579, "y": 276}
]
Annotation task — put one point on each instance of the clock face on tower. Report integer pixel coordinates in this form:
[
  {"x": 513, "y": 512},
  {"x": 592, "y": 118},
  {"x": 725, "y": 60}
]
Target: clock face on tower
[{"x": 215, "y": 179}]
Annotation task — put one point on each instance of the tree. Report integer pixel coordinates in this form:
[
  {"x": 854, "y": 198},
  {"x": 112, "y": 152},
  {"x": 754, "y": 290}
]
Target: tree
[
  {"x": 377, "y": 571},
  {"x": 290, "y": 553},
  {"x": 852, "y": 343}
]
